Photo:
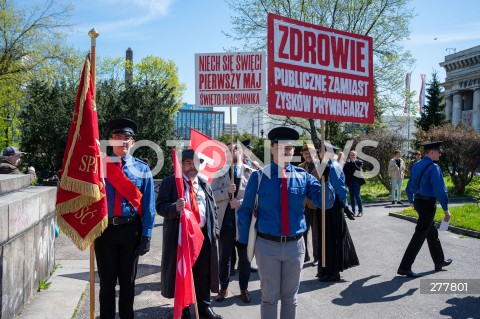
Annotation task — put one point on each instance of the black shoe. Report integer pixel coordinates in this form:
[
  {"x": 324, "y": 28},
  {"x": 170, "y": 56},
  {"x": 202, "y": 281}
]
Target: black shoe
[
  {"x": 444, "y": 263},
  {"x": 329, "y": 277},
  {"x": 186, "y": 313},
  {"x": 315, "y": 262},
  {"x": 393, "y": 202},
  {"x": 408, "y": 273},
  {"x": 209, "y": 314},
  {"x": 253, "y": 269},
  {"x": 399, "y": 202},
  {"x": 360, "y": 214}
]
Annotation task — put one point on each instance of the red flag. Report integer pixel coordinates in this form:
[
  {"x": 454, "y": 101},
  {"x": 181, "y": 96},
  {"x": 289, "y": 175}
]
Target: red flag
[
  {"x": 213, "y": 153},
  {"x": 190, "y": 240},
  {"x": 81, "y": 207},
  {"x": 407, "y": 92},
  {"x": 421, "y": 97}
]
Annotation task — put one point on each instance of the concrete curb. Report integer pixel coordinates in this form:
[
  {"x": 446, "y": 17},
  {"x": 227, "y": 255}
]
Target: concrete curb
[{"x": 453, "y": 229}]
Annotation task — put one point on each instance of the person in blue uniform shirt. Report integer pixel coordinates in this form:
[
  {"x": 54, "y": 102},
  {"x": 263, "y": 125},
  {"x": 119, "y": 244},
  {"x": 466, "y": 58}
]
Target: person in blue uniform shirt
[
  {"x": 340, "y": 251},
  {"x": 424, "y": 188},
  {"x": 280, "y": 247},
  {"x": 130, "y": 221}
]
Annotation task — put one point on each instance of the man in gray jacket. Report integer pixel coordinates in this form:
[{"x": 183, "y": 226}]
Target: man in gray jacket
[{"x": 229, "y": 197}]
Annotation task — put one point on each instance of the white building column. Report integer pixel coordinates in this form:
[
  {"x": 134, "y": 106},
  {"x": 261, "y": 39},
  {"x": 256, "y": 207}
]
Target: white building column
[
  {"x": 448, "y": 107},
  {"x": 457, "y": 108},
  {"x": 476, "y": 110}
]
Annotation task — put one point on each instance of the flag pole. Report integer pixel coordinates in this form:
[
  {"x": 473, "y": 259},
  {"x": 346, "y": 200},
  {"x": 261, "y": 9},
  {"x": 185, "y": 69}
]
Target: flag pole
[
  {"x": 231, "y": 142},
  {"x": 93, "y": 35},
  {"x": 194, "y": 296},
  {"x": 322, "y": 148}
]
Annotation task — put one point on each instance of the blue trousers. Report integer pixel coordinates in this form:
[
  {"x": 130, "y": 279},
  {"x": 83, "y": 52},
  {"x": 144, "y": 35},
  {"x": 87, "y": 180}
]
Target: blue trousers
[{"x": 354, "y": 190}]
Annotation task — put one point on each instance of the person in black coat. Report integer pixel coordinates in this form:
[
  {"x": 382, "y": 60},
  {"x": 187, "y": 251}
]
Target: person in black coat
[
  {"x": 354, "y": 180},
  {"x": 205, "y": 269}
]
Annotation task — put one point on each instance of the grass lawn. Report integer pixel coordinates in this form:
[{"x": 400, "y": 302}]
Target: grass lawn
[
  {"x": 374, "y": 190},
  {"x": 464, "y": 216}
]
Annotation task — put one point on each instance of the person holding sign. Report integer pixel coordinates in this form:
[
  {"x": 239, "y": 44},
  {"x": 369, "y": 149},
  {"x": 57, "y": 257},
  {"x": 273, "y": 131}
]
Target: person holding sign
[
  {"x": 340, "y": 251},
  {"x": 424, "y": 188},
  {"x": 280, "y": 247},
  {"x": 131, "y": 215},
  {"x": 229, "y": 197}
]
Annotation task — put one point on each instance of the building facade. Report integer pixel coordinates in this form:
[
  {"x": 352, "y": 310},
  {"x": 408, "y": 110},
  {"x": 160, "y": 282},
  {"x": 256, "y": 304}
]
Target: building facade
[
  {"x": 203, "y": 119},
  {"x": 462, "y": 87}
]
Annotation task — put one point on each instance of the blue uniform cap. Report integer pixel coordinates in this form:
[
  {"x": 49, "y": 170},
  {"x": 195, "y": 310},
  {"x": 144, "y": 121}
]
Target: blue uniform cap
[
  {"x": 122, "y": 126},
  {"x": 247, "y": 144},
  {"x": 435, "y": 145},
  {"x": 283, "y": 133}
]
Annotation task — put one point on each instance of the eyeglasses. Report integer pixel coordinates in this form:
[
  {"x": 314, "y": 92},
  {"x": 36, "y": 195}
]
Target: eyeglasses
[{"x": 125, "y": 138}]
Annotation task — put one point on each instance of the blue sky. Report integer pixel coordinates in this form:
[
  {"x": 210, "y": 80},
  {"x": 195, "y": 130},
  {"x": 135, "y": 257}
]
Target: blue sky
[{"x": 177, "y": 29}]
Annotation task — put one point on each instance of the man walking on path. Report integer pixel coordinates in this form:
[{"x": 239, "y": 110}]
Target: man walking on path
[{"x": 424, "y": 188}]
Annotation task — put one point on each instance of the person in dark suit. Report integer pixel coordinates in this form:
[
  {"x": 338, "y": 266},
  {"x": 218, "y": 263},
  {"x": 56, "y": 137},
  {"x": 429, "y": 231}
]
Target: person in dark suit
[{"x": 205, "y": 269}]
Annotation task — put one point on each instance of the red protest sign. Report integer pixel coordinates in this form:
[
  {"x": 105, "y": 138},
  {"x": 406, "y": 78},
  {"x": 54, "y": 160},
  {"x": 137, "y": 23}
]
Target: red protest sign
[
  {"x": 319, "y": 73},
  {"x": 230, "y": 79}
]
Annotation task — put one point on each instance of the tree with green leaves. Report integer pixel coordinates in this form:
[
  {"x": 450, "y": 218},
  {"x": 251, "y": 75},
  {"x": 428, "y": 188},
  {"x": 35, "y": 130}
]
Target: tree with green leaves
[
  {"x": 386, "y": 22},
  {"x": 151, "y": 99},
  {"x": 461, "y": 157},
  {"x": 433, "y": 112},
  {"x": 46, "y": 115},
  {"x": 31, "y": 45},
  {"x": 388, "y": 141}
]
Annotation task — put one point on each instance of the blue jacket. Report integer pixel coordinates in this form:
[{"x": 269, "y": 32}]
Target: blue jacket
[
  {"x": 139, "y": 173},
  {"x": 431, "y": 185},
  {"x": 300, "y": 185}
]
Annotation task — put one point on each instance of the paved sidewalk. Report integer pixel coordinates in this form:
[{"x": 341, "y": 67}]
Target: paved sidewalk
[{"x": 368, "y": 291}]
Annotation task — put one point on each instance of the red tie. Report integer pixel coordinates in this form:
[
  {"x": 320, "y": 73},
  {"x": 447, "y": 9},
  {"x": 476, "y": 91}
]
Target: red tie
[
  {"x": 117, "y": 206},
  {"x": 193, "y": 201},
  {"x": 284, "y": 202}
]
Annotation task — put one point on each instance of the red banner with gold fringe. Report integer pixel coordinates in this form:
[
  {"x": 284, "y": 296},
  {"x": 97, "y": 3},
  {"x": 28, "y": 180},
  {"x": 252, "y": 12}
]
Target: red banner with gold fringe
[{"x": 81, "y": 207}]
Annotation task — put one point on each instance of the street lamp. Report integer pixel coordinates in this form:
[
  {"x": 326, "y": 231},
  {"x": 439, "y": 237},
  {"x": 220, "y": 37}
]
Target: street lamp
[{"x": 8, "y": 121}]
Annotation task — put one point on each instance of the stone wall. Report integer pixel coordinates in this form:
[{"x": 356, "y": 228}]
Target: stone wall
[{"x": 27, "y": 253}]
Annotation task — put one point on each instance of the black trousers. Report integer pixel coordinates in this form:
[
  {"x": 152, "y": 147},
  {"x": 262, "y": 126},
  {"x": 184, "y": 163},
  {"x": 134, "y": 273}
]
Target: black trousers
[
  {"x": 425, "y": 229},
  {"x": 311, "y": 216},
  {"x": 116, "y": 260},
  {"x": 201, "y": 274},
  {"x": 226, "y": 250}
]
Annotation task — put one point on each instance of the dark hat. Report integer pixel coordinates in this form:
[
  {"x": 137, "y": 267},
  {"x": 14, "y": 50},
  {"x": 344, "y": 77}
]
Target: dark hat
[
  {"x": 247, "y": 144},
  {"x": 417, "y": 153},
  {"x": 435, "y": 145},
  {"x": 189, "y": 154},
  {"x": 283, "y": 133},
  {"x": 122, "y": 126},
  {"x": 11, "y": 150}
]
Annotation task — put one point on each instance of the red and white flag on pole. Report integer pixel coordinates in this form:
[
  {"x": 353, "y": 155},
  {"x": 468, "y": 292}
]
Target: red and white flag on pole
[
  {"x": 190, "y": 240},
  {"x": 407, "y": 92},
  {"x": 213, "y": 154},
  {"x": 421, "y": 97}
]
